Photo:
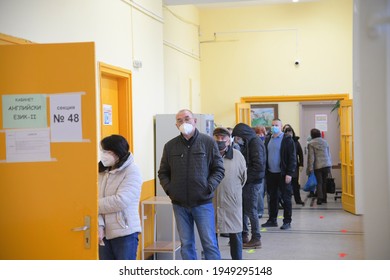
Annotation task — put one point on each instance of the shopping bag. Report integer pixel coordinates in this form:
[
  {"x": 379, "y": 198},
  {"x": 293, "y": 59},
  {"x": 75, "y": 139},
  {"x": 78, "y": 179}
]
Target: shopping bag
[
  {"x": 311, "y": 183},
  {"x": 330, "y": 184}
]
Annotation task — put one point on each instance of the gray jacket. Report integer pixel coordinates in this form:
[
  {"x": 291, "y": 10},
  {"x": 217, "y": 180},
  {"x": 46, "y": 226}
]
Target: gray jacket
[
  {"x": 190, "y": 171},
  {"x": 318, "y": 155},
  {"x": 228, "y": 198}
]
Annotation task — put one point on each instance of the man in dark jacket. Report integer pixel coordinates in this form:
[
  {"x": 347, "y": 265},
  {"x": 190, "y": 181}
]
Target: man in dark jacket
[
  {"x": 281, "y": 165},
  {"x": 253, "y": 150},
  {"x": 191, "y": 168}
]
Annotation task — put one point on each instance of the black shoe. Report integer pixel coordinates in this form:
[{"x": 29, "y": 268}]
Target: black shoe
[
  {"x": 270, "y": 224},
  {"x": 319, "y": 201},
  {"x": 300, "y": 202},
  {"x": 324, "y": 201},
  {"x": 286, "y": 226}
]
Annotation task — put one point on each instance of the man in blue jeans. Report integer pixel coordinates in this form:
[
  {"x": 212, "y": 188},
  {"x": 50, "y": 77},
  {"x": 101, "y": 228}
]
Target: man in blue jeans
[
  {"x": 191, "y": 168},
  {"x": 253, "y": 150}
]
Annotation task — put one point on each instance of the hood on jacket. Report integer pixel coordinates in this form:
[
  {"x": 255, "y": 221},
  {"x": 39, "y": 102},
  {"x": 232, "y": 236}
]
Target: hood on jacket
[{"x": 244, "y": 131}]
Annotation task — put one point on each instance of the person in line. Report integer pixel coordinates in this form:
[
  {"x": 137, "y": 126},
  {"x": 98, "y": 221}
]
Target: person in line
[
  {"x": 287, "y": 129},
  {"x": 261, "y": 133},
  {"x": 228, "y": 197},
  {"x": 232, "y": 142},
  {"x": 120, "y": 184},
  {"x": 191, "y": 168},
  {"x": 281, "y": 165},
  {"x": 319, "y": 160},
  {"x": 253, "y": 150}
]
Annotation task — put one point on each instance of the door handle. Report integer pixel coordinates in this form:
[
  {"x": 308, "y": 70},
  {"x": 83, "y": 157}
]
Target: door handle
[
  {"x": 86, "y": 228},
  {"x": 80, "y": 228}
]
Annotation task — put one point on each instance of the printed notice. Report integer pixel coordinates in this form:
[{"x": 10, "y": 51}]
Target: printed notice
[
  {"x": 107, "y": 114},
  {"x": 27, "y": 145},
  {"x": 65, "y": 117},
  {"x": 24, "y": 111},
  {"x": 321, "y": 122}
]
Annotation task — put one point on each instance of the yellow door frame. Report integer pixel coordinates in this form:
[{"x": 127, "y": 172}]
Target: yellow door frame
[{"x": 123, "y": 77}]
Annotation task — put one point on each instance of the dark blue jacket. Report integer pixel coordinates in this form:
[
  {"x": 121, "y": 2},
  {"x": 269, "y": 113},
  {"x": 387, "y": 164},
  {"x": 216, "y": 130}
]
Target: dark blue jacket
[{"x": 288, "y": 157}]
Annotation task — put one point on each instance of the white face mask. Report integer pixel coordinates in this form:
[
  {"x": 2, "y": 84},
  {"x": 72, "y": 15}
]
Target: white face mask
[
  {"x": 186, "y": 128},
  {"x": 107, "y": 159}
]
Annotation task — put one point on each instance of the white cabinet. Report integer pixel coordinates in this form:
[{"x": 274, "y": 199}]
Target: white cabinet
[{"x": 158, "y": 246}]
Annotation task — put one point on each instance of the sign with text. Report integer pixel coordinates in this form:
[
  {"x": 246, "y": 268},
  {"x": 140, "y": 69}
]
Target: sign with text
[
  {"x": 27, "y": 145},
  {"x": 24, "y": 111},
  {"x": 65, "y": 117}
]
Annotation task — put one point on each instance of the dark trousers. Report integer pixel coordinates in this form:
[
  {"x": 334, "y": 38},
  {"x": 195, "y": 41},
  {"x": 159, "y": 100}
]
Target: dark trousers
[
  {"x": 321, "y": 175},
  {"x": 235, "y": 243},
  {"x": 296, "y": 190},
  {"x": 276, "y": 183},
  {"x": 250, "y": 194}
]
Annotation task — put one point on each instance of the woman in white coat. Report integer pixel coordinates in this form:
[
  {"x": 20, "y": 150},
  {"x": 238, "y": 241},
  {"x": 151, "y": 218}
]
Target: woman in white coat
[{"x": 120, "y": 184}]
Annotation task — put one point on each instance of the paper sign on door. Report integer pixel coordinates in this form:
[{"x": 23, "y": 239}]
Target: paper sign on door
[{"x": 65, "y": 117}]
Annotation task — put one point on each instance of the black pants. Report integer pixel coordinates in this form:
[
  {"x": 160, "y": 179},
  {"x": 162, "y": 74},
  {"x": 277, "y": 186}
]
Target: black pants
[
  {"x": 276, "y": 183},
  {"x": 321, "y": 175},
  {"x": 296, "y": 190}
]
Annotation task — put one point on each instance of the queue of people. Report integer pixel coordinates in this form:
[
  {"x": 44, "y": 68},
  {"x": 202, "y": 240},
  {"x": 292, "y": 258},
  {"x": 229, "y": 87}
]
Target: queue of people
[{"x": 218, "y": 183}]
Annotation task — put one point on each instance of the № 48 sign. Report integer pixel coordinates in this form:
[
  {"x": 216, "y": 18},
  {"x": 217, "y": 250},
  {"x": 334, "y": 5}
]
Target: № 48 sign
[{"x": 65, "y": 117}]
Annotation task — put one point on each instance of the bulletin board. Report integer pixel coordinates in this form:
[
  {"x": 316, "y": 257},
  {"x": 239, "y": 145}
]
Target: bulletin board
[{"x": 48, "y": 151}]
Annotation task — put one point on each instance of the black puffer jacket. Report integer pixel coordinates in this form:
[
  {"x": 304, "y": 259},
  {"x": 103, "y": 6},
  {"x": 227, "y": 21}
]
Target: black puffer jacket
[
  {"x": 253, "y": 152},
  {"x": 190, "y": 171},
  {"x": 288, "y": 157}
]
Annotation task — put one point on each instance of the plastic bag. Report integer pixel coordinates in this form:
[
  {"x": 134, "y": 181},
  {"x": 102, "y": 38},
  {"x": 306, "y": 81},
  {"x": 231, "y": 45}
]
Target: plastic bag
[{"x": 311, "y": 183}]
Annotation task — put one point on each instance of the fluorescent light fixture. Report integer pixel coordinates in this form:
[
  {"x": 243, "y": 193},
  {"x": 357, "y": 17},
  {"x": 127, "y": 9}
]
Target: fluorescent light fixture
[{"x": 295, "y": 1}]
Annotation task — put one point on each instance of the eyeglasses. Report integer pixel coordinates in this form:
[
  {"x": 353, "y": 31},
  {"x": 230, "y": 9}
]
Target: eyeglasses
[{"x": 185, "y": 120}]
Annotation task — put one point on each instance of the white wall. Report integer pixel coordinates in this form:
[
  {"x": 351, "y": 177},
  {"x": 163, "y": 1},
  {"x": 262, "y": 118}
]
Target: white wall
[
  {"x": 181, "y": 59},
  {"x": 120, "y": 32},
  {"x": 372, "y": 124}
]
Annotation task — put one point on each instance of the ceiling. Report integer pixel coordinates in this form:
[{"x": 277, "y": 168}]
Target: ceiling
[{"x": 230, "y": 3}]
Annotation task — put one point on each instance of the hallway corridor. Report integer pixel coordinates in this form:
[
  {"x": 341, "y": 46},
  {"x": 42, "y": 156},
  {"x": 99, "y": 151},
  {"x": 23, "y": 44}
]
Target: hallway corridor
[{"x": 318, "y": 232}]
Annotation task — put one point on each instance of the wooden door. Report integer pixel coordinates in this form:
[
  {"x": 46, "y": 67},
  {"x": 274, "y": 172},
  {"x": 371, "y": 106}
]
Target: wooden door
[
  {"x": 347, "y": 156},
  {"x": 48, "y": 152},
  {"x": 116, "y": 102}
]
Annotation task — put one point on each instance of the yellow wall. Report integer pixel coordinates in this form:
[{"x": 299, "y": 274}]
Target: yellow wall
[{"x": 259, "y": 58}]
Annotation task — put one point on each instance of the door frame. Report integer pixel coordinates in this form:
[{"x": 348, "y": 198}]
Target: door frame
[
  {"x": 303, "y": 98},
  {"x": 295, "y": 98},
  {"x": 124, "y": 78}
]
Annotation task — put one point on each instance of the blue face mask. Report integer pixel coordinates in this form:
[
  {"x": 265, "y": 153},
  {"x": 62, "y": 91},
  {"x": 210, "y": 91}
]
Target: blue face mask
[{"x": 275, "y": 129}]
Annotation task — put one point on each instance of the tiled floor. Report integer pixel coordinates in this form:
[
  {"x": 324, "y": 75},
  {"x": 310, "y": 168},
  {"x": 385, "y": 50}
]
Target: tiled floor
[{"x": 319, "y": 232}]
